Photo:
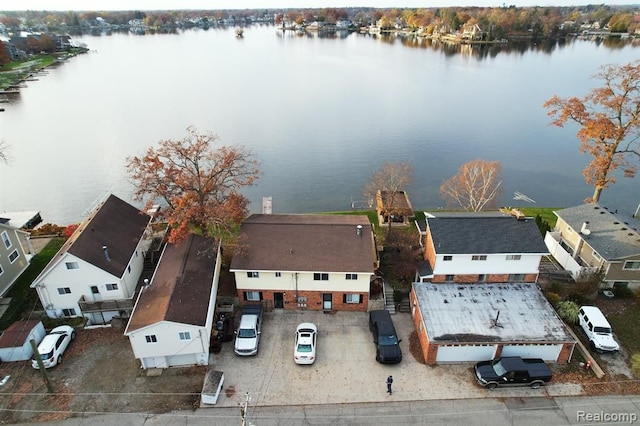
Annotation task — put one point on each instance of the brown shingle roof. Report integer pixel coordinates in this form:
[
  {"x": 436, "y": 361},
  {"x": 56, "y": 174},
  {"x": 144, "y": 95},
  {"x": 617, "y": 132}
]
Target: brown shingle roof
[
  {"x": 310, "y": 243},
  {"x": 17, "y": 333},
  {"x": 401, "y": 203},
  {"x": 181, "y": 287}
]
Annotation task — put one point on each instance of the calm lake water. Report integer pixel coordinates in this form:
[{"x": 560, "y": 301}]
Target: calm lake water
[{"x": 321, "y": 115}]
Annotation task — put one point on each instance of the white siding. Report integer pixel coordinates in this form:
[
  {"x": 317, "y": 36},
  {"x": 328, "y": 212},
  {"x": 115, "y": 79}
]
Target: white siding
[
  {"x": 267, "y": 280},
  {"x": 168, "y": 343},
  {"x": 462, "y": 264},
  {"x": 465, "y": 353}
]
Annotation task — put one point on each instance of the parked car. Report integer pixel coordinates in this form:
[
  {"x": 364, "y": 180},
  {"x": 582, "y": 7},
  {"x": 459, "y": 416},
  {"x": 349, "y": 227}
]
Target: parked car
[
  {"x": 248, "y": 334},
  {"x": 512, "y": 370},
  {"x": 597, "y": 328},
  {"x": 304, "y": 351},
  {"x": 385, "y": 337},
  {"x": 53, "y": 346}
]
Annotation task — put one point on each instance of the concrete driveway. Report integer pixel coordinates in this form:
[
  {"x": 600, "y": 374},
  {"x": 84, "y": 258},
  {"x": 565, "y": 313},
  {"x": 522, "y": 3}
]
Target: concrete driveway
[{"x": 345, "y": 370}]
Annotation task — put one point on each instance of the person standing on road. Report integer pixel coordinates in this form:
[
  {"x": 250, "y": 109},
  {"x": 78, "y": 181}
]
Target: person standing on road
[{"x": 389, "y": 383}]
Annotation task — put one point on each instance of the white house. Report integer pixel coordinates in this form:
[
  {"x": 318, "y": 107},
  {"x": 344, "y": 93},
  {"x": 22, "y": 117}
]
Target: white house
[
  {"x": 172, "y": 320},
  {"x": 15, "y": 254},
  {"x": 317, "y": 262},
  {"x": 480, "y": 248},
  {"x": 96, "y": 271}
]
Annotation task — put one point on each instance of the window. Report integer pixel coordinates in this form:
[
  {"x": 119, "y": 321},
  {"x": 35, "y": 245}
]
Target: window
[
  {"x": 352, "y": 298},
  {"x": 112, "y": 287},
  {"x": 253, "y": 296},
  {"x": 596, "y": 256},
  {"x": 69, "y": 312},
  {"x": 479, "y": 257},
  {"x": 94, "y": 289},
  {"x": 278, "y": 274},
  {"x": 129, "y": 268},
  {"x": 185, "y": 335},
  {"x": 151, "y": 338},
  {"x": 482, "y": 278},
  {"x": 516, "y": 277},
  {"x": 1, "y": 270},
  {"x": 448, "y": 278},
  {"x": 448, "y": 258},
  {"x": 13, "y": 256},
  {"x": 253, "y": 274},
  {"x": 64, "y": 290},
  {"x": 352, "y": 276},
  {"x": 320, "y": 276},
  {"x": 5, "y": 239},
  {"x": 72, "y": 265},
  {"x": 634, "y": 264},
  {"x": 514, "y": 257}
]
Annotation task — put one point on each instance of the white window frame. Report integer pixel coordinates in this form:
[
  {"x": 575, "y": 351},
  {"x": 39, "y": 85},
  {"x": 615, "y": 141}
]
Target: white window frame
[
  {"x": 14, "y": 258},
  {"x": 321, "y": 276},
  {"x": 351, "y": 276},
  {"x": 479, "y": 257},
  {"x": 72, "y": 265},
  {"x": 253, "y": 274},
  {"x": 151, "y": 338},
  {"x": 352, "y": 297},
  {"x": 184, "y": 335},
  {"x": 69, "y": 312},
  {"x": 514, "y": 256},
  {"x": 6, "y": 240},
  {"x": 112, "y": 287},
  {"x": 631, "y": 262},
  {"x": 278, "y": 274},
  {"x": 253, "y": 296},
  {"x": 447, "y": 258},
  {"x": 64, "y": 290}
]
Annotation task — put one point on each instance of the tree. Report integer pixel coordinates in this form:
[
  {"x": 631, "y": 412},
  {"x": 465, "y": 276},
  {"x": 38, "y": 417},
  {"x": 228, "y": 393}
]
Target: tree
[
  {"x": 475, "y": 187},
  {"x": 199, "y": 183},
  {"x": 5, "y": 58},
  {"x": 609, "y": 117},
  {"x": 390, "y": 179}
]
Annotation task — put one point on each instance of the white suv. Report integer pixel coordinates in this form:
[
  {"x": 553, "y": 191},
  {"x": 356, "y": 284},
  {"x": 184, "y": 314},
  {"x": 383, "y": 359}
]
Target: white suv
[
  {"x": 597, "y": 329},
  {"x": 53, "y": 346}
]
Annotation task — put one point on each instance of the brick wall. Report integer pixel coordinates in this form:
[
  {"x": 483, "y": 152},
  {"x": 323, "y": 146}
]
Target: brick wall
[{"x": 313, "y": 300}]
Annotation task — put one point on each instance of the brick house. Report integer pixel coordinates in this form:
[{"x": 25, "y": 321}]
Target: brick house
[
  {"x": 316, "y": 262},
  {"x": 479, "y": 248}
]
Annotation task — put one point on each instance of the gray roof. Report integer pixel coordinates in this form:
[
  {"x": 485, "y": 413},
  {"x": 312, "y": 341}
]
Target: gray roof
[
  {"x": 305, "y": 243},
  {"x": 613, "y": 235},
  {"x": 467, "y": 313},
  {"x": 485, "y": 235}
]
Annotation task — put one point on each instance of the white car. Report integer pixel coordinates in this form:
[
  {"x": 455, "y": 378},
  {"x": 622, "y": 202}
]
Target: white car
[
  {"x": 53, "y": 346},
  {"x": 304, "y": 351}
]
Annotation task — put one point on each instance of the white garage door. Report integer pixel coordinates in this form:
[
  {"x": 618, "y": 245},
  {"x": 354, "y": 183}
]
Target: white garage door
[
  {"x": 546, "y": 352},
  {"x": 182, "y": 360},
  {"x": 465, "y": 353}
]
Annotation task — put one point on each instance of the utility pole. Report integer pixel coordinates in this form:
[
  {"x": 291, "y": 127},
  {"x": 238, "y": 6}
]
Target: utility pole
[
  {"x": 243, "y": 411},
  {"x": 43, "y": 371}
]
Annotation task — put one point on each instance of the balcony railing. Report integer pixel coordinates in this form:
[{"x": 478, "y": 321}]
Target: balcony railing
[
  {"x": 553, "y": 241},
  {"x": 105, "y": 305}
]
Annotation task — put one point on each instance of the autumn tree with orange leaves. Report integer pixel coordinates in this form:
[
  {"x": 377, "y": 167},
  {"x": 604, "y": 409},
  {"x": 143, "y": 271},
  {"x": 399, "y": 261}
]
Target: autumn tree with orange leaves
[
  {"x": 609, "y": 117},
  {"x": 199, "y": 183},
  {"x": 475, "y": 187}
]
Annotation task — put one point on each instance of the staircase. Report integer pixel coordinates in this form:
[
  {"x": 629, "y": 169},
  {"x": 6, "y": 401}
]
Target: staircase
[{"x": 389, "y": 304}]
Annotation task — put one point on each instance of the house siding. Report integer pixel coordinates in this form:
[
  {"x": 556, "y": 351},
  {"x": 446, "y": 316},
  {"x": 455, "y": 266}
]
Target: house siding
[
  {"x": 168, "y": 342},
  {"x": 490, "y": 278},
  {"x": 11, "y": 270}
]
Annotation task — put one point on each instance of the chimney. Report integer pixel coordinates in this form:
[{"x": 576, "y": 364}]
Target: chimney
[
  {"x": 584, "y": 230},
  {"x": 359, "y": 230},
  {"x": 106, "y": 254}
]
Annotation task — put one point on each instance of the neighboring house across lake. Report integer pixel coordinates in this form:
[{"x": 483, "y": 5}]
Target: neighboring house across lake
[
  {"x": 15, "y": 253},
  {"x": 316, "y": 262},
  {"x": 591, "y": 237},
  {"x": 480, "y": 248},
  {"x": 172, "y": 320},
  {"x": 96, "y": 271}
]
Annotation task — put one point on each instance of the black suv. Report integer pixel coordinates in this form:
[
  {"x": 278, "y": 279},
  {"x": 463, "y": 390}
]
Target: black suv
[{"x": 384, "y": 336}]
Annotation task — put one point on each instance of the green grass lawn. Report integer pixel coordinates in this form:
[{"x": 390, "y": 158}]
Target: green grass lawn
[
  {"x": 23, "y": 297},
  {"x": 546, "y": 213},
  {"x": 626, "y": 325}
]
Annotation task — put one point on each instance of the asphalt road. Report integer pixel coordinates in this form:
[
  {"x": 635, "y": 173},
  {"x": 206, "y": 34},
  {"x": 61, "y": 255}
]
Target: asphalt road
[{"x": 494, "y": 412}]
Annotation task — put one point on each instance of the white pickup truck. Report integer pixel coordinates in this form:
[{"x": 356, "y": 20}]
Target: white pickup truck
[{"x": 248, "y": 334}]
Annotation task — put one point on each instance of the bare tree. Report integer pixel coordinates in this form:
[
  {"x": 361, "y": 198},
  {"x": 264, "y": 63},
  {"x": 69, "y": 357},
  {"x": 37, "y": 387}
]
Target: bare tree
[
  {"x": 475, "y": 187},
  {"x": 390, "y": 180},
  {"x": 610, "y": 120},
  {"x": 199, "y": 183}
]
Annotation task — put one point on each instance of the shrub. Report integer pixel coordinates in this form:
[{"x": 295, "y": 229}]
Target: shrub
[
  {"x": 553, "y": 298},
  {"x": 635, "y": 364},
  {"x": 568, "y": 311},
  {"x": 623, "y": 292},
  {"x": 556, "y": 287}
]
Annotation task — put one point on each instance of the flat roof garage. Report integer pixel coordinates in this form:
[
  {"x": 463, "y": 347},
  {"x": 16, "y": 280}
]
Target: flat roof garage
[{"x": 476, "y": 322}]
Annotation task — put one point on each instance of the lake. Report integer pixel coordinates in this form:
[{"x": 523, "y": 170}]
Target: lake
[{"x": 320, "y": 113}]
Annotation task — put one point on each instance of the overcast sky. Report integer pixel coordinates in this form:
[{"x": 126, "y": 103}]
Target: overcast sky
[{"x": 262, "y": 4}]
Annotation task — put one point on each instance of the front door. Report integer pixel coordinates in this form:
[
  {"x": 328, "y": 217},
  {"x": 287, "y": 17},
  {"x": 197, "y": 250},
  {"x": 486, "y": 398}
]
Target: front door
[
  {"x": 95, "y": 293},
  {"x": 278, "y": 300},
  {"x": 326, "y": 301}
]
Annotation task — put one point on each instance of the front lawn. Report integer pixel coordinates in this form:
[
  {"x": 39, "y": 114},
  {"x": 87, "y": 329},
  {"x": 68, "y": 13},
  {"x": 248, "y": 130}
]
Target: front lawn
[{"x": 626, "y": 323}]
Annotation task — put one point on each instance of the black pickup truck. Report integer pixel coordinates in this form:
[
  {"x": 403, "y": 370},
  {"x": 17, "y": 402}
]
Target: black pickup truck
[{"x": 512, "y": 370}]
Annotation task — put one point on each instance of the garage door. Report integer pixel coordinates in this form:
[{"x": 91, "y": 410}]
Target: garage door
[
  {"x": 180, "y": 360},
  {"x": 465, "y": 353},
  {"x": 546, "y": 352}
]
